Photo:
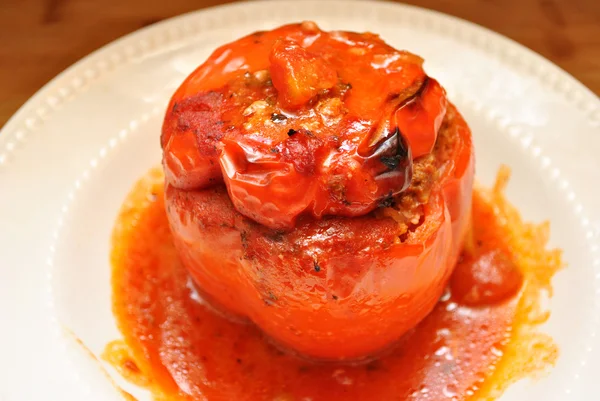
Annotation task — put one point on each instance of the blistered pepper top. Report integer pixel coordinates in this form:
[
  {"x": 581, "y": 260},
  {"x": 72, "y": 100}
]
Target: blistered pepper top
[{"x": 300, "y": 121}]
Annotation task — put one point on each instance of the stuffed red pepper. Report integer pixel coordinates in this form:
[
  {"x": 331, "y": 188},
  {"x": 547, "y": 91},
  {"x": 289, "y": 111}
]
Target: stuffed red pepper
[{"x": 319, "y": 185}]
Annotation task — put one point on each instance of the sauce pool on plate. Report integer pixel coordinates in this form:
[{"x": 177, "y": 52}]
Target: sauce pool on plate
[{"x": 479, "y": 338}]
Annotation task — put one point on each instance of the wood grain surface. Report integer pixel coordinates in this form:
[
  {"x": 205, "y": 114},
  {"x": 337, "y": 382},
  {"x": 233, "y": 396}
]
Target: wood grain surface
[{"x": 40, "y": 38}]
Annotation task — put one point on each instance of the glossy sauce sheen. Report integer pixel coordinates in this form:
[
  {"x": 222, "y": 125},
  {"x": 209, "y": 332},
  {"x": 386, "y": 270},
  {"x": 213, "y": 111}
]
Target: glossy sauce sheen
[
  {"x": 302, "y": 121},
  {"x": 178, "y": 347}
]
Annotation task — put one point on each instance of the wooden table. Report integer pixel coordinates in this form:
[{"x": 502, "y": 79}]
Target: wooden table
[{"x": 40, "y": 38}]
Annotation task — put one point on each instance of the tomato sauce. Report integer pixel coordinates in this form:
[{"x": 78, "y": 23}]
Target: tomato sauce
[{"x": 176, "y": 345}]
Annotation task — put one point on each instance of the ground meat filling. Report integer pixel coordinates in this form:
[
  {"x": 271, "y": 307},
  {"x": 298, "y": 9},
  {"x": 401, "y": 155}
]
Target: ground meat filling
[{"x": 407, "y": 207}]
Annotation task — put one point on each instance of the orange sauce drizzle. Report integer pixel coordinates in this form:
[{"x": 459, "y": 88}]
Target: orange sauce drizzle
[{"x": 176, "y": 346}]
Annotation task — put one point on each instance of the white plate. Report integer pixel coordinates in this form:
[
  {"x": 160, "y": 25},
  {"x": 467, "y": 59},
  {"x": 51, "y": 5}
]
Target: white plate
[{"x": 69, "y": 156}]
